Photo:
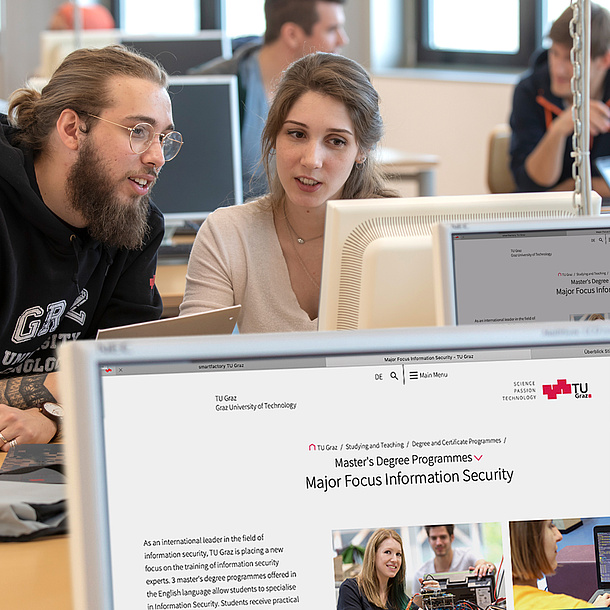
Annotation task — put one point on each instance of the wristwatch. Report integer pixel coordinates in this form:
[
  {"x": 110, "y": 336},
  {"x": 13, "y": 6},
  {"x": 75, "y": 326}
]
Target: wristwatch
[{"x": 55, "y": 413}]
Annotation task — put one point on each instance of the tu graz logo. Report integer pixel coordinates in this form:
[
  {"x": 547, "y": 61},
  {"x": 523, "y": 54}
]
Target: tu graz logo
[{"x": 579, "y": 390}]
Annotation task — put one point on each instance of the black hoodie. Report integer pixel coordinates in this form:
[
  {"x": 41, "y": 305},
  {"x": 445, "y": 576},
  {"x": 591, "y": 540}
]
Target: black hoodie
[{"x": 56, "y": 282}]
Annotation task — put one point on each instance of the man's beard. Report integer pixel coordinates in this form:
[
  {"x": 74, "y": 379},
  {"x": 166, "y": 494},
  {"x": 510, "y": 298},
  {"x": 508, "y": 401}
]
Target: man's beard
[{"x": 113, "y": 222}]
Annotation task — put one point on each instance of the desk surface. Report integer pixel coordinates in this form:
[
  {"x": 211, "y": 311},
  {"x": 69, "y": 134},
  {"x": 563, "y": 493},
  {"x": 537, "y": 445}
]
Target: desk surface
[
  {"x": 171, "y": 282},
  {"x": 391, "y": 158},
  {"x": 36, "y": 574}
]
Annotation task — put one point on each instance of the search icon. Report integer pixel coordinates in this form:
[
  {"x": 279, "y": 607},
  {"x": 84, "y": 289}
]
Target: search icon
[{"x": 393, "y": 375}]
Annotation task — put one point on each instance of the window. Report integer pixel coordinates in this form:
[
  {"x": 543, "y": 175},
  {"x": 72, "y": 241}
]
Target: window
[
  {"x": 244, "y": 18},
  {"x": 498, "y": 33},
  {"x": 236, "y": 17},
  {"x": 159, "y": 16},
  {"x": 502, "y": 33}
]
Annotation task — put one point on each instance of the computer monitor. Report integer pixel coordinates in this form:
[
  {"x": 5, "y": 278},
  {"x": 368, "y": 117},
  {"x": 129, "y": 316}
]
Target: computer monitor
[
  {"x": 527, "y": 271},
  {"x": 377, "y": 262},
  {"x": 211, "y": 472},
  {"x": 55, "y": 45},
  {"x": 206, "y": 174},
  {"x": 177, "y": 54},
  {"x": 601, "y": 536}
]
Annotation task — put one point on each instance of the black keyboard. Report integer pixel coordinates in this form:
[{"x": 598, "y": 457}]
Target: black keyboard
[{"x": 174, "y": 252}]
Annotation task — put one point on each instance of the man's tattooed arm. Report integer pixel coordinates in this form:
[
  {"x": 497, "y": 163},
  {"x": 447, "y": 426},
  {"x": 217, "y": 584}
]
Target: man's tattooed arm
[{"x": 26, "y": 392}]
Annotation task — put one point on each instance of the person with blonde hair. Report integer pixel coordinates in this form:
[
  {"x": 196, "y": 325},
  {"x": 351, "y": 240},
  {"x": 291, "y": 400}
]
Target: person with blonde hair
[
  {"x": 381, "y": 582},
  {"x": 533, "y": 551},
  {"x": 318, "y": 144}
]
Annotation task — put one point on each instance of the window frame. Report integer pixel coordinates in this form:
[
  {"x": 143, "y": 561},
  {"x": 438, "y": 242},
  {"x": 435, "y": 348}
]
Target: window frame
[
  {"x": 210, "y": 14},
  {"x": 530, "y": 19}
]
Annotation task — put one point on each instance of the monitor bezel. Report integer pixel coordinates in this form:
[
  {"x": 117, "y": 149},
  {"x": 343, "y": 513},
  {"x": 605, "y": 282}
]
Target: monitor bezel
[{"x": 81, "y": 390}]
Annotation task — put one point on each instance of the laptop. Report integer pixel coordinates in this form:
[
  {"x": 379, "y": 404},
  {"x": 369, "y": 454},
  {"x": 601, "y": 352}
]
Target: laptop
[
  {"x": 212, "y": 322},
  {"x": 525, "y": 271},
  {"x": 211, "y": 472},
  {"x": 601, "y": 535}
]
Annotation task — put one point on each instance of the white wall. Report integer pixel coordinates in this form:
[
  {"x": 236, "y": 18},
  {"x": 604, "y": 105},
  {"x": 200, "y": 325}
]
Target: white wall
[
  {"x": 447, "y": 118},
  {"x": 23, "y": 20}
]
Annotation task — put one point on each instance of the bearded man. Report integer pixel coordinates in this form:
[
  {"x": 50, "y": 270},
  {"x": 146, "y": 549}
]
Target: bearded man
[{"x": 78, "y": 233}]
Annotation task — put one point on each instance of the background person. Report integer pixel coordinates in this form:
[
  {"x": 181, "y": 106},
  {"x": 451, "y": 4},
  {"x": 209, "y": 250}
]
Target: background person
[
  {"x": 541, "y": 119},
  {"x": 294, "y": 28},
  {"x": 78, "y": 232},
  {"x": 533, "y": 551},
  {"x": 448, "y": 559},
  {"x": 266, "y": 255}
]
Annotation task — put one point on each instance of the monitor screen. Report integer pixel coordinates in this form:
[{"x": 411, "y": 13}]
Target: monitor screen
[
  {"x": 177, "y": 54},
  {"x": 531, "y": 271},
  {"x": 248, "y": 470},
  {"x": 206, "y": 174},
  {"x": 602, "y": 555},
  {"x": 377, "y": 263}
]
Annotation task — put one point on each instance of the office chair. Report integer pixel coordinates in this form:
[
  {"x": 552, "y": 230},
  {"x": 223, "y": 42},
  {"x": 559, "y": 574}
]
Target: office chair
[{"x": 499, "y": 176}]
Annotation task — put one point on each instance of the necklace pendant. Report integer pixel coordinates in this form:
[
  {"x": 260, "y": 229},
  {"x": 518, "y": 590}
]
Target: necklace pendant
[{"x": 300, "y": 240}]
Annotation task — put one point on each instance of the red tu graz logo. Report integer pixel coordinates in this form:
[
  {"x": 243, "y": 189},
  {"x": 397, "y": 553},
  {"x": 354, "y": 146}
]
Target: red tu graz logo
[{"x": 580, "y": 390}]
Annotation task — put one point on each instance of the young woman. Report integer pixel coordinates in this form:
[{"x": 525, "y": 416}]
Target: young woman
[
  {"x": 533, "y": 550},
  {"x": 321, "y": 131},
  {"x": 381, "y": 583}
]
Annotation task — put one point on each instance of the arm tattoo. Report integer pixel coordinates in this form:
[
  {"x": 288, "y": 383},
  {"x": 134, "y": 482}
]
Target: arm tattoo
[{"x": 24, "y": 392}]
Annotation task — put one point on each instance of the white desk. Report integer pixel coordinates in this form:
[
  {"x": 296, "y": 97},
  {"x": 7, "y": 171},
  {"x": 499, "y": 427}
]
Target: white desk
[{"x": 420, "y": 167}]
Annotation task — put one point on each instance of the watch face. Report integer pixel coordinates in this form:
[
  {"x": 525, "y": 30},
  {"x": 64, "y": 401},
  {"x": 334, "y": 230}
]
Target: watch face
[{"x": 53, "y": 409}]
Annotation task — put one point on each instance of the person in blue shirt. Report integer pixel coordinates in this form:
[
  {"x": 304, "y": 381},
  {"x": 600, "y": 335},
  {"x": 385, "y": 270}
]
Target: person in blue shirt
[{"x": 294, "y": 28}]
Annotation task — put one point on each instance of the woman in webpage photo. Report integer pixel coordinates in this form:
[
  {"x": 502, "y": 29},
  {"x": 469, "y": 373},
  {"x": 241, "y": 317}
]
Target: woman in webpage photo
[
  {"x": 381, "y": 582},
  {"x": 533, "y": 550},
  {"x": 323, "y": 126}
]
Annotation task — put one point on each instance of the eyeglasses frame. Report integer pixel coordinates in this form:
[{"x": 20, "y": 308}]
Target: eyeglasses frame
[{"x": 155, "y": 133}]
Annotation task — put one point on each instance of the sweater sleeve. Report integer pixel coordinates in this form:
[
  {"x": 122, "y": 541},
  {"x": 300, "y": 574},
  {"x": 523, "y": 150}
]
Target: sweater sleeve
[{"x": 209, "y": 275}]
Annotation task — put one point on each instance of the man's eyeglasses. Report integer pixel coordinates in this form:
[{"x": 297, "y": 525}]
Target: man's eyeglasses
[{"x": 143, "y": 135}]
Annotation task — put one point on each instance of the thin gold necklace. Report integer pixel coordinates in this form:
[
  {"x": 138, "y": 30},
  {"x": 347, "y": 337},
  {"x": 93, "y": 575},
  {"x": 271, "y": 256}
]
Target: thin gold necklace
[
  {"x": 296, "y": 252},
  {"x": 300, "y": 240}
]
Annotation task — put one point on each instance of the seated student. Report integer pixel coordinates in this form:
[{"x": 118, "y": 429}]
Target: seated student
[
  {"x": 293, "y": 28},
  {"x": 541, "y": 119},
  {"x": 533, "y": 551},
  {"x": 381, "y": 583},
  {"x": 93, "y": 17},
  {"x": 448, "y": 559},
  {"x": 78, "y": 232},
  {"x": 267, "y": 254}
]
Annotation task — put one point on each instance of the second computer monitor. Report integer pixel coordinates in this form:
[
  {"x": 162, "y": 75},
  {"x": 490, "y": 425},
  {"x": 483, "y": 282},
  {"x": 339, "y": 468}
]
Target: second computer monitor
[
  {"x": 530, "y": 271},
  {"x": 177, "y": 54},
  {"x": 207, "y": 172}
]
